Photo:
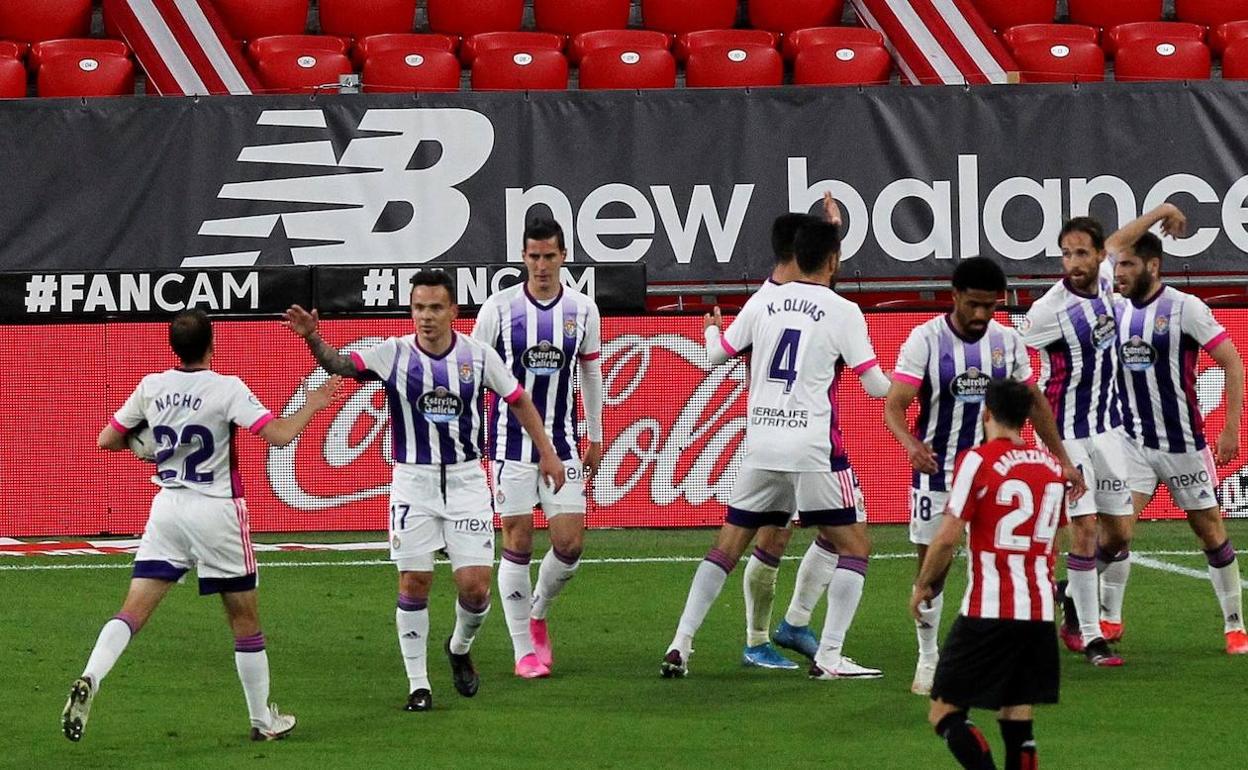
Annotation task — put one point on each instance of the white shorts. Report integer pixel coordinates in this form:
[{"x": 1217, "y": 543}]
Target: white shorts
[
  {"x": 518, "y": 488},
  {"x": 763, "y": 498},
  {"x": 1191, "y": 477},
  {"x": 435, "y": 507},
  {"x": 926, "y": 511},
  {"x": 189, "y": 529},
  {"x": 1102, "y": 459}
]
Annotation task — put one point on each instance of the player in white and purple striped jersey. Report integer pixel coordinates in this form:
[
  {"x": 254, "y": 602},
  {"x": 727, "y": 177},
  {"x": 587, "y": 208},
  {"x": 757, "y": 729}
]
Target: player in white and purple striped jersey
[
  {"x": 1161, "y": 332},
  {"x": 545, "y": 332},
  {"x": 946, "y": 363},
  {"x": 1072, "y": 328},
  {"x": 439, "y": 498}
]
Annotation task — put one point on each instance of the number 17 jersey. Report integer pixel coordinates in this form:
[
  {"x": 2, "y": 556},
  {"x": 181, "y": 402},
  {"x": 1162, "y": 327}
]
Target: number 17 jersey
[{"x": 801, "y": 336}]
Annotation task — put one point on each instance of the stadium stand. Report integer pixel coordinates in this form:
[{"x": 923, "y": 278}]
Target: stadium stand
[
  {"x": 78, "y": 75},
  {"x": 300, "y": 71},
  {"x": 1210, "y": 12},
  {"x": 539, "y": 69},
  {"x": 795, "y": 41},
  {"x": 30, "y": 21},
  {"x": 405, "y": 70},
  {"x": 1235, "y": 60},
  {"x": 606, "y": 68},
  {"x": 1140, "y": 60},
  {"x": 1110, "y": 13},
  {"x": 1059, "y": 61},
  {"x": 250, "y": 19},
  {"x": 570, "y": 17},
  {"x": 264, "y": 47},
  {"x": 845, "y": 64},
  {"x": 455, "y": 17},
  {"x": 1224, "y": 34},
  {"x": 407, "y": 42},
  {"x": 1003, "y": 14},
  {"x": 705, "y": 38},
  {"x": 12, "y": 77},
  {"x": 1154, "y": 31},
  {"x": 734, "y": 67},
  {"x": 360, "y": 18},
  {"x": 789, "y": 15},
  {"x": 615, "y": 38},
  {"x": 46, "y": 49},
  {"x": 511, "y": 42},
  {"x": 1050, "y": 33},
  {"x": 677, "y": 16}
]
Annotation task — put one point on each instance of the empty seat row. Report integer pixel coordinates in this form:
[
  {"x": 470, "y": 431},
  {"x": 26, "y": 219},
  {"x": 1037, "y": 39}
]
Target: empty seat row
[
  {"x": 1104, "y": 14},
  {"x": 1157, "y": 31},
  {"x": 68, "y": 70}
]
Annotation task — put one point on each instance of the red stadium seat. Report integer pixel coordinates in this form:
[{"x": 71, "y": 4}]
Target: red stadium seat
[
  {"x": 732, "y": 38},
  {"x": 1049, "y": 33},
  {"x": 628, "y": 68},
  {"x": 78, "y": 75},
  {"x": 1003, "y": 14},
  {"x": 12, "y": 78},
  {"x": 795, "y": 41},
  {"x": 1139, "y": 60},
  {"x": 788, "y": 15},
  {"x": 296, "y": 72},
  {"x": 1059, "y": 61},
  {"x": 34, "y": 20},
  {"x": 85, "y": 46},
  {"x": 1156, "y": 31},
  {"x": 724, "y": 67},
  {"x": 512, "y": 42},
  {"x": 842, "y": 65},
  {"x": 12, "y": 49},
  {"x": 571, "y": 17},
  {"x": 1110, "y": 13},
  {"x": 1225, "y": 34},
  {"x": 615, "y": 38},
  {"x": 540, "y": 69},
  {"x": 1211, "y": 13},
  {"x": 403, "y": 70},
  {"x": 360, "y": 18},
  {"x": 1235, "y": 60},
  {"x": 457, "y": 17},
  {"x": 264, "y": 47},
  {"x": 677, "y": 16},
  {"x": 407, "y": 42},
  {"x": 250, "y": 19}
]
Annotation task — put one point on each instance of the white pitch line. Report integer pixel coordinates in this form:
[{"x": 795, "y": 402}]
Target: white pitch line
[{"x": 1174, "y": 569}]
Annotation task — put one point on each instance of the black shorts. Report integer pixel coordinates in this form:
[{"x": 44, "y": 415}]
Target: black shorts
[{"x": 993, "y": 663}]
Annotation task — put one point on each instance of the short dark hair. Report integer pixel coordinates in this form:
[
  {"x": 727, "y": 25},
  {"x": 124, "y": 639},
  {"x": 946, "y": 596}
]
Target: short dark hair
[
  {"x": 1009, "y": 401},
  {"x": 190, "y": 335},
  {"x": 979, "y": 273},
  {"x": 784, "y": 232},
  {"x": 816, "y": 241},
  {"x": 1149, "y": 247},
  {"x": 1089, "y": 227},
  {"x": 436, "y": 278},
  {"x": 541, "y": 229}
]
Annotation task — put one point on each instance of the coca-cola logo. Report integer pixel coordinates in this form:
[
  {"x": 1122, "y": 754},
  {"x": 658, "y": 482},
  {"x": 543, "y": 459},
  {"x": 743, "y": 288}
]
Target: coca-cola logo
[{"x": 543, "y": 359}]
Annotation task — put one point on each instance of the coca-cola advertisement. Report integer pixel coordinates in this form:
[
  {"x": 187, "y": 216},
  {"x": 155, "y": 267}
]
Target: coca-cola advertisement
[{"x": 674, "y": 427}]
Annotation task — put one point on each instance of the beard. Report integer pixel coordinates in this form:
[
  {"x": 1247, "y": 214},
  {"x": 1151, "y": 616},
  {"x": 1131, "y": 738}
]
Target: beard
[{"x": 1139, "y": 287}]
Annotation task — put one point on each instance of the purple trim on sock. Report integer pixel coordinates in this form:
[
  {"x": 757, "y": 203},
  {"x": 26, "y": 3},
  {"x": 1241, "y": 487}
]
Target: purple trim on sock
[
  {"x": 766, "y": 558},
  {"x": 567, "y": 559},
  {"x": 473, "y": 608},
  {"x": 254, "y": 643},
  {"x": 825, "y": 544},
  {"x": 518, "y": 557},
  {"x": 1221, "y": 556},
  {"x": 1080, "y": 563},
  {"x": 411, "y": 603},
  {"x": 1109, "y": 558},
  {"x": 129, "y": 620},
  {"x": 853, "y": 564},
  {"x": 721, "y": 560}
]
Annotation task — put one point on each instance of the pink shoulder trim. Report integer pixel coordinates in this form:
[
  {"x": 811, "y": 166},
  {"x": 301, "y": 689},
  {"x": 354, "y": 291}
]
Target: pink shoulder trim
[
  {"x": 263, "y": 421},
  {"x": 515, "y": 395},
  {"x": 1218, "y": 340},
  {"x": 906, "y": 378},
  {"x": 865, "y": 366}
]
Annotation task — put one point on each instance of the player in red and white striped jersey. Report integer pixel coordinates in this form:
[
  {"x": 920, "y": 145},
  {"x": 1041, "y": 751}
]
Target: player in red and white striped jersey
[{"x": 1002, "y": 650}]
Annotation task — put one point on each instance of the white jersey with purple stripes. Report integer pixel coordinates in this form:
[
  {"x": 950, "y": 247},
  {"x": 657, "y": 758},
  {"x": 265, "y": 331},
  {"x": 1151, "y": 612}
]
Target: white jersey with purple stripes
[
  {"x": 1158, "y": 344},
  {"x": 801, "y": 335},
  {"x": 435, "y": 402},
  {"x": 541, "y": 342},
  {"x": 193, "y": 414},
  {"x": 1076, "y": 336},
  {"x": 952, "y": 374}
]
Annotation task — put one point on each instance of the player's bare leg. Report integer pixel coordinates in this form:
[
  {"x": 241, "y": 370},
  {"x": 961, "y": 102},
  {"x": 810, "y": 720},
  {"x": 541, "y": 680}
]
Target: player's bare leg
[
  {"x": 965, "y": 741},
  {"x": 758, "y": 582},
  {"x": 252, "y": 661},
  {"x": 844, "y": 594},
  {"x": 515, "y": 586},
  {"x": 1223, "y": 573},
  {"x": 567, "y": 541},
  {"x": 1017, "y": 734},
  {"x": 473, "y": 586},
  {"x": 927, "y": 630},
  {"x": 144, "y": 595},
  {"x": 411, "y": 618},
  {"x": 708, "y": 582},
  {"x": 815, "y": 572}
]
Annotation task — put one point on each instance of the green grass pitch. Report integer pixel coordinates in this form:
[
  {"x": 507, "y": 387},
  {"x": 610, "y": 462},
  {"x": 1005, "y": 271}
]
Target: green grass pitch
[{"x": 174, "y": 697}]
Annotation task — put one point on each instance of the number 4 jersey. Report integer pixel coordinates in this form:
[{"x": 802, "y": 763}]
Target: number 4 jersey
[
  {"x": 1013, "y": 500},
  {"x": 193, "y": 414},
  {"x": 801, "y": 335}
]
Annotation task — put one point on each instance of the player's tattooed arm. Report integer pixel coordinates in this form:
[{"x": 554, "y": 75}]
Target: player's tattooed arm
[{"x": 305, "y": 324}]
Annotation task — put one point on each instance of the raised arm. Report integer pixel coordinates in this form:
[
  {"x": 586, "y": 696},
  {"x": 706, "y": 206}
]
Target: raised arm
[
  {"x": 305, "y": 324},
  {"x": 1173, "y": 223},
  {"x": 283, "y": 430}
]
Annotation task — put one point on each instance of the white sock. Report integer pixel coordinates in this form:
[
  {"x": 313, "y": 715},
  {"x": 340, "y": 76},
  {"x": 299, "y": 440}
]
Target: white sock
[
  {"x": 708, "y": 581},
  {"x": 813, "y": 576},
  {"x": 1227, "y": 586},
  {"x": 516, "y": 590},
  {"x": 411, "y": 618},
  {"x": 759, "y": 583},
  {"x": 1081, "y": 587},
  {"x": 1114, "y": 571},
  {"x": 556, "y": 570},
  {"x": 844, "y": 593},
  {"x": 252, "y": 663},
  {"x": 928, "y": 628},
  {"x": 468, "y": 621},
  {"x": 112, "y": 641}
]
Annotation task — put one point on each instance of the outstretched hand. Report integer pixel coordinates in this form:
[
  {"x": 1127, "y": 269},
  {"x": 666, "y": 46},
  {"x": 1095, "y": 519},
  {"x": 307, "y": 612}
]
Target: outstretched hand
[
  {"x": 831, "y": 210},
  {"x": 323, "y": 396},
  {"x": 713, "y": 318},
  {"x": 300, "y": 321}
]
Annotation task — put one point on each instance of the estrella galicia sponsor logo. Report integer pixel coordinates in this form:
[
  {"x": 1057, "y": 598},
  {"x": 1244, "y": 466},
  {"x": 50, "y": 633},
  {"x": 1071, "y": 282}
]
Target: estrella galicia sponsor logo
[
  {"x": 1137, "y": 355},
  {"x": 543, "y": 359},
  {"x": 440, "y": 405},
  {"x": 970, "y": 386},
  {"x": 474, "y": 525},
  {"x": 1104, "y": 331}
]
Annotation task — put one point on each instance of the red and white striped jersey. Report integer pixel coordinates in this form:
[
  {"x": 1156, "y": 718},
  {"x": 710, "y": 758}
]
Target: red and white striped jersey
[{"x": 1013, "y": 500}]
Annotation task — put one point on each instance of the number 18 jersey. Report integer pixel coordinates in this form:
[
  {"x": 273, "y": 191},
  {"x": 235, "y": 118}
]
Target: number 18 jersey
[{"x": 801, "y": 336}]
